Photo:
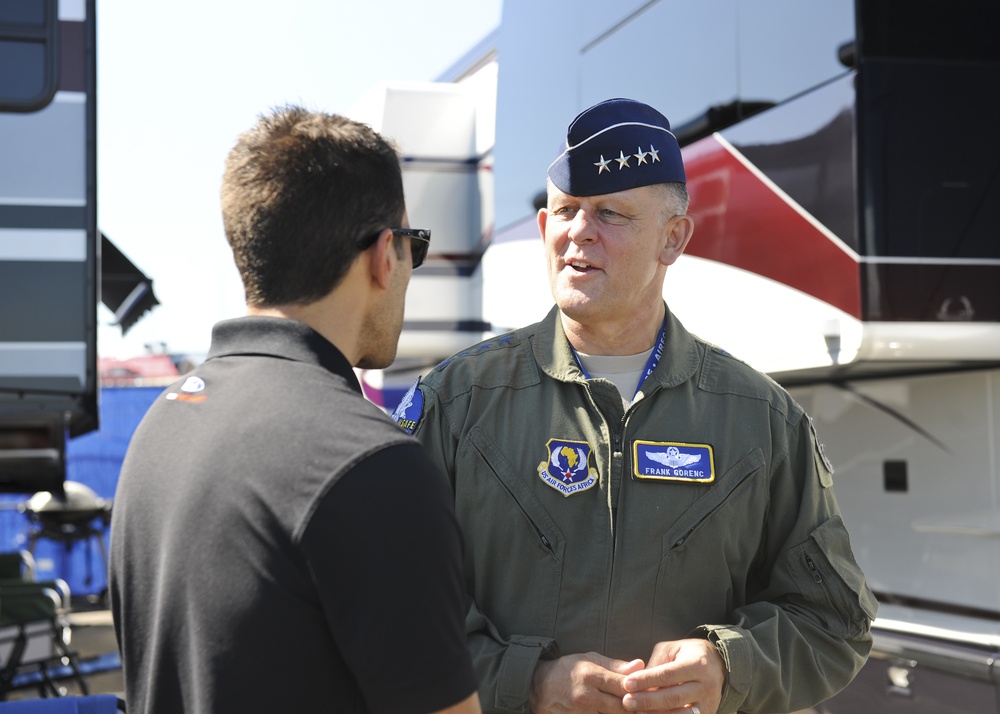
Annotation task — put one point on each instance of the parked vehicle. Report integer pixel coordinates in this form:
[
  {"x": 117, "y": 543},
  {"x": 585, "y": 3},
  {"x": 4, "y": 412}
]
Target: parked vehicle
[
  {"x": 48, "y": 239},
  {"x": 844, "y": 169},
  {"x": 54, "y": 263}
]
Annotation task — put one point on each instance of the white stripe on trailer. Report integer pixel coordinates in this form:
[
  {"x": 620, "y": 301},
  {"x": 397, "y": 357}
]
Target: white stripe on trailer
[
  {"x": 43, "y": 154},
  {"x": 64, "y": 97},
  {"x": 44, "y": 359},
  {"x": 41, "y": 244},
  {"x": 72, "y": 10},
  {"x": 54, "y": 202}
]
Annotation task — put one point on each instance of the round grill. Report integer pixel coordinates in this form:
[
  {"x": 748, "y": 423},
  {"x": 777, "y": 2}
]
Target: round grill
[{"x": 80, "y": 505}]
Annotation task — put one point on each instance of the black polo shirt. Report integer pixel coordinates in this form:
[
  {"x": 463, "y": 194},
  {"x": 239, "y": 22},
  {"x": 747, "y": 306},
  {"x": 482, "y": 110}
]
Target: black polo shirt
[{"x": 278, "y": 544}]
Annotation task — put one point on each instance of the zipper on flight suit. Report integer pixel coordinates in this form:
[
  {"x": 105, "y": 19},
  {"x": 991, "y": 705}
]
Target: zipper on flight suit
[
  {"x": 617, "y": 476},
  {"x": 680, "y": 541},
  {"x": 601, "y": 395},
  {"x": 813, "y": 570},
  {"x": 545, "y": 541},
  {"x": 617, "y": 468},
  {"x": 618, "y": 464}
]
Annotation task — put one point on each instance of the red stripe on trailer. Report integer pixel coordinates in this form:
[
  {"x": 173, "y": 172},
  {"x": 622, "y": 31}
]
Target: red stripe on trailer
[{"x": 741, "y": 221}]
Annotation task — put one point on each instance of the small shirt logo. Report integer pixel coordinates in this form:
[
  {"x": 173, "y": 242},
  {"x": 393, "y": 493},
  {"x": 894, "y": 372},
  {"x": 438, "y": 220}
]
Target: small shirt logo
[
  {"x": 567, "y": 468},
  {"x": 189, "y": 391},
  {"x": 410, "y": 409},
  {"x": 673, "y": 461},
  {"x": 192, "y": 385}
]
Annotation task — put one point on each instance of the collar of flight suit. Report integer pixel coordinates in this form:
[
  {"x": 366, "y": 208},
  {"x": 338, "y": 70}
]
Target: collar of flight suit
[{"x": 554, "y": 355}]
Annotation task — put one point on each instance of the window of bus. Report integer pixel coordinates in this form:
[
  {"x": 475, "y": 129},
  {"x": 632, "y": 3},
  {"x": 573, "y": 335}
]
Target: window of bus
[
  {"x": 691, "y": 57},
  {"x": 27, "y": 54}
]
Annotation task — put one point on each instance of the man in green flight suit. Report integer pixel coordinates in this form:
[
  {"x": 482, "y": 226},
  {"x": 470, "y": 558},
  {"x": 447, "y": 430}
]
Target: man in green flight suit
[{"x": 650, "y": 524}]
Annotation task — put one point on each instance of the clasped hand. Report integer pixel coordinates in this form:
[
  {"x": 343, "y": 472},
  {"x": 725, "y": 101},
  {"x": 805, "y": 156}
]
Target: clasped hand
[{"x": 680, "y": 675}]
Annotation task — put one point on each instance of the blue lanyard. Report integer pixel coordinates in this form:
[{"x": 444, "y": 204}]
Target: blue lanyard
[{"x": 654, "y": 359}]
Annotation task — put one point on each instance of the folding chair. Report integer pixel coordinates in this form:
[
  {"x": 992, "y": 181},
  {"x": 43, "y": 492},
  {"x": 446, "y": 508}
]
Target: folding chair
[{"x": 34, "y": 631}]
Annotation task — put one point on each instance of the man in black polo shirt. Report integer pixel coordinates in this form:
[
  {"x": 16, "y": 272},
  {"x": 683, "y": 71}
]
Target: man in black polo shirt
[{"x": 278, "y": 544}]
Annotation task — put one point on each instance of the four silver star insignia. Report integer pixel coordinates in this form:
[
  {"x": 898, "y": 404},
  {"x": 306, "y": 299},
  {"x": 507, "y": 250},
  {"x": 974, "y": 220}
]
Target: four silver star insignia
[{"x": 623, "y": 161}]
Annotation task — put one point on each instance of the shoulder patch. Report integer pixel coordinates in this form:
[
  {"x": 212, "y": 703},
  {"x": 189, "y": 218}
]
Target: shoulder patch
[
  {"x": 410, "y": 409},
  {"x": 823, "y": 465},
  {"x": 567, "y": 466}
]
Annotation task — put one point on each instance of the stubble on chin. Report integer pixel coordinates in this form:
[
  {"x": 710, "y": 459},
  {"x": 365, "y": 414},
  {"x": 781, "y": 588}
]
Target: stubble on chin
[
  {"x": 379, "y": 350},
  {"x": 380, "y": 341},
  {"x": 376, "y": 362}
]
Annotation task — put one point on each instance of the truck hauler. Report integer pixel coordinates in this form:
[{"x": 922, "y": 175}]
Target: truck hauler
[
  {"x": 844, "y": 171},
  {"x": 48, "y": 239},
  {"x": 51, "y": 253}
]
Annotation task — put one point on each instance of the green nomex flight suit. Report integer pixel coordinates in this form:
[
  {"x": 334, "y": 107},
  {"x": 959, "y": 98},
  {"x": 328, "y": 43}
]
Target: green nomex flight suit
[{"x": 705, "y": 509}]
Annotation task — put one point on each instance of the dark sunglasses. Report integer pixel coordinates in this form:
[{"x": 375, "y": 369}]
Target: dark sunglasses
[{"x": 420, "y": 241}]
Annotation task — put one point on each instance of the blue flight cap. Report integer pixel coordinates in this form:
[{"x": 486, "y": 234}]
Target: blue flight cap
[{"x": 614, "y": 146}]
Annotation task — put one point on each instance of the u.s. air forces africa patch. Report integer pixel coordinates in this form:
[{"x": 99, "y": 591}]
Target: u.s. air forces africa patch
[
  {"x": 673, "y": 461},
  {"x": 567, "y": 468}
]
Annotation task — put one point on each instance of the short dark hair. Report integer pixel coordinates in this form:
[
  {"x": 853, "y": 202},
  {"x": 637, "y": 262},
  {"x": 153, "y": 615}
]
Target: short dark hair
[{"x": 300, "y": 190}]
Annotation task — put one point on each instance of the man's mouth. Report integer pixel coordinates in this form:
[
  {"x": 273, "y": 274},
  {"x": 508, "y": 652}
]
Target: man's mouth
[{"x": 579, "y": 265}]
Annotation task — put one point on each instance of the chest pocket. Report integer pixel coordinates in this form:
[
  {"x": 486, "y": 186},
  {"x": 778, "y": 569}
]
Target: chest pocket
[
  {"x": 513, "y": 547},
  {"x": 707, "y": 553}
]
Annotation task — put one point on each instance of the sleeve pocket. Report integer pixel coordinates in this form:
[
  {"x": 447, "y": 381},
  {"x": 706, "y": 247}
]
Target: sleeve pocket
[{"x": 827, "y": 573}]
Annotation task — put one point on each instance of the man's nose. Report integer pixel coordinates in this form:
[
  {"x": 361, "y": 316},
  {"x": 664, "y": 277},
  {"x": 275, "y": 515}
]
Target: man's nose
[{"x": 582, "y": 228}]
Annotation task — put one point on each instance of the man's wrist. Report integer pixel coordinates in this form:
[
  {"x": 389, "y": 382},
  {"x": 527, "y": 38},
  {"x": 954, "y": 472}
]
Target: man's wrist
[
  {"x": 537, "y": 681},
  {"x": 733, "y": 647},
  {"x": 518, "y": 668}
]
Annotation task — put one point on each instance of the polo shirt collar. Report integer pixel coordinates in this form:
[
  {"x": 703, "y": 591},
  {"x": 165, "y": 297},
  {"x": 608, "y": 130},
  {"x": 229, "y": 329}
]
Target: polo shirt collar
[{"x": 282, "y": 338}]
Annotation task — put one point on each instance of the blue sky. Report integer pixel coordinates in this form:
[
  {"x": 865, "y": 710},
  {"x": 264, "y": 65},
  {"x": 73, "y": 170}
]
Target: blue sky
[{"x": 177, "y": 83}]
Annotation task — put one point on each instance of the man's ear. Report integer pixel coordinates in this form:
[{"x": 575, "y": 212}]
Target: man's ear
[
  {"x": 543, "y": 217},
  {"x": 679, "y": 232},
  {"x": 383, "y": 259}
]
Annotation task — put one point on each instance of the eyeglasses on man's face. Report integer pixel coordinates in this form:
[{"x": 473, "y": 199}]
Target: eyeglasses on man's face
[{"x": 420, "y": 241}]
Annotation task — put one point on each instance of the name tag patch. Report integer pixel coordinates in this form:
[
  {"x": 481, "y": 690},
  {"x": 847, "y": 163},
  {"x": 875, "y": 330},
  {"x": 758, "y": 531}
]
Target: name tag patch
[
  {"x": 567, "y": 467},
  {"x": 673, "y": 461}
]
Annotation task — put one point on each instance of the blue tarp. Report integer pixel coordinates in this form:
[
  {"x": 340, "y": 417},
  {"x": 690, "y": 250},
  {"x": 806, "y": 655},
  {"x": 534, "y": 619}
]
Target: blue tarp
[
  {"x": 94, "y": 460},
  {"x": 93, "y": 704}
]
